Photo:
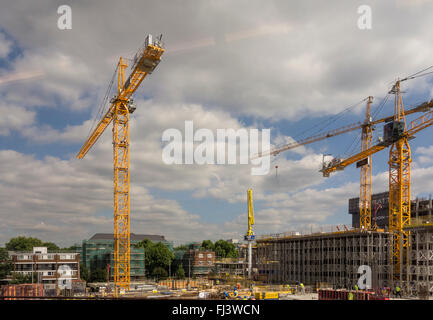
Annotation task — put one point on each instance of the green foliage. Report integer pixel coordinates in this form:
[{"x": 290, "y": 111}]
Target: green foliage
[
  {"x": 51, "y": 247},
  {"x": 18, "y": 278},
  {"x": 69, "y": 249},
  {"x": 6, "y": 265},
  {"x": 160, "y": 255},
  {"x": 181, "y": 247},
  {"x": 146, "y": 244},
  {"x": 180, "y": 273},
  {"x": 225, "y": 249},
  {"x": 84, "y": 273},
  {"x": 98, "y": 275},
  {"x": 159, "y": 273},
  {"x": 207, "y": 245},
  {"x": 156, "y": 255},
  {"x": 23, "y": 243}
]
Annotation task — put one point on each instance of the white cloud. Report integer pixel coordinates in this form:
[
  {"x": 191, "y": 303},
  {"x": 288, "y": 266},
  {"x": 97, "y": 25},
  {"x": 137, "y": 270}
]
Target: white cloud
[
  {"x": 60, "y": 78},
  {"x": 67, "y": 201},
  {"x": 5, "y": 46},
  {"x": 282, "y": 60},
  {"x": 425, "y": 154},
  {"x": 14, "y": 118},
  {"x": 69, "y": 194}
]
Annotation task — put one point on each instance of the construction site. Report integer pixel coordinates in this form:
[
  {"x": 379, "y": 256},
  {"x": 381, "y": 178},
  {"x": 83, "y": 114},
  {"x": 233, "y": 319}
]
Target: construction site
[
  {"x": 396, "y": 252},
  {"x": 387, "y": 252}
]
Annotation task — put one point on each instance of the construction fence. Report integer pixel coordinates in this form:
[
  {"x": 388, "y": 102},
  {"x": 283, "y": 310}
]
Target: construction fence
[
  {"x": 21, "y": 290},
  {"x": 174, "y": 284}
]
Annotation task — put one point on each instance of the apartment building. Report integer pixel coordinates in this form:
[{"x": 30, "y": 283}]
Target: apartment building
[
  {"x": 198, "y": 263},
  {"x": 52, "y": 268}
]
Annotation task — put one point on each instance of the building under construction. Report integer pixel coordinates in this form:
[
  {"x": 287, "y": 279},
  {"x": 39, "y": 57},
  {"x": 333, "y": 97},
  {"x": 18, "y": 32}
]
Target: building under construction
[
  {"x": 333, "y": 259},
  {"x": 329, "y": 257},
  {"x": 417, "y": 274},
  {"x": 421, "y": 208}
]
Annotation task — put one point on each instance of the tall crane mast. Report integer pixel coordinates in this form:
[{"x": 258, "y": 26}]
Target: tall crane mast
[
  {"x": 365, "y": 185},
  {"x": 365, "y": 163},
  {"x": 399, "y": 185},
  {"x": 144, "y": 62},
  {"x": 396, "y": 136},
  {"x": 249, "y": 236}
]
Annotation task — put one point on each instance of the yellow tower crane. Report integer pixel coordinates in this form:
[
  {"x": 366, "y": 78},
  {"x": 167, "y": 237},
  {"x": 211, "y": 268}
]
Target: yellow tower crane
[
  {"x": 366, "y": 162},
  {"x": 144, "y": 62},
  {"x": 250, "y": 236},
  {"x": 365, "y": 185},
  {"x": 396, "y": 136}
]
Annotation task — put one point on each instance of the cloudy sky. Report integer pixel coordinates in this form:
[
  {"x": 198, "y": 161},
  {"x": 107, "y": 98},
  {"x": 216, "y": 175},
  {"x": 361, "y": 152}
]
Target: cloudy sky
[{"x": 291, "y": 66}]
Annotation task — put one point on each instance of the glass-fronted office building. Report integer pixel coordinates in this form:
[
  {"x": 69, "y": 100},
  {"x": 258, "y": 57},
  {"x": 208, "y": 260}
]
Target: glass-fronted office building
[{"x": 98, "y": 252}]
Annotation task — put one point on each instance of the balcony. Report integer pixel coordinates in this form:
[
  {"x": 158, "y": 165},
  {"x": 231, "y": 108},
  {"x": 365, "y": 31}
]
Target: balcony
[{"x": 50, "y": 257}]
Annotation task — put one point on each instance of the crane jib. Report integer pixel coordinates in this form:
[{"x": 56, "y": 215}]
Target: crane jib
[{"x": 146, "y": 61}]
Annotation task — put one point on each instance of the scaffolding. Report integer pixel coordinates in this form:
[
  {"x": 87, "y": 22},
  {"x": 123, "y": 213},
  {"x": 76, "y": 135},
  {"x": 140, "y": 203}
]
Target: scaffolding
[
  {"x": 231, "y": 266},
  {"x": 417, "y": 275},
  {"x": 331, "y": 257}
]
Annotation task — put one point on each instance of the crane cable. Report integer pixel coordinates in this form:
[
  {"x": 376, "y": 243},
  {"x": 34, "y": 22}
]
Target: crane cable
[
  {"x": 328, "y": 122},
  {"x": 102, "y": 107},
  {"x": 380, "y": 107},
  {"x": 417, "y": 74},
  {"x": 353, "y": 145},
  {"x": 383, "y": 102},
  {"x": 356, "y": 141}
]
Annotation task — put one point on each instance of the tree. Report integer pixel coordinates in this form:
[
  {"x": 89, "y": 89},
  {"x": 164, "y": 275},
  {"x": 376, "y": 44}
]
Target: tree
[
  {"x": 70, "y": 249},
  {"x": 180, "y": 274},
  {"x": 22, "y": 243},
  {"x": 145, "y": 243},
  {"x": 220, "y": 252},
  {"x": 225, "y": 249},
  {"x": 156, "y": 254},
  {"x": 6, "y": 265},
  {"x": 159, "y": 273},
  {"x": 207, "y": 245},
  {"x": 160, "y": 255},
  {"x": 51, "y": 247},
  {"x": 98, "y": 275},
  {"x": 18, "y": 278},
  {"x": 84, "y": 273},
  {"x": 181, "y": 247}
]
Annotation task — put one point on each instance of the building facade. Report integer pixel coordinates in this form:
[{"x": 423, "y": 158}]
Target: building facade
[
  {"x": 420, "y": 209},
  {"x": 98, "y": 253},
  {"x": 52, "y": 268},
  {"x": 333, "y": 258},
  {"x": 237, "y": 266},
  {"x": 198, "y": 263}
]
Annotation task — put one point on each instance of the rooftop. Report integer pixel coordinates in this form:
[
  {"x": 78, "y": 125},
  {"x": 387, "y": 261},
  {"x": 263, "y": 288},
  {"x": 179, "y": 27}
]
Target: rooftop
[{"x": 133, "y": 237}]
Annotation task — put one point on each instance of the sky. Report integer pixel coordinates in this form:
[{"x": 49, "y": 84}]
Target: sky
[{"x": 296, "y": 68}]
